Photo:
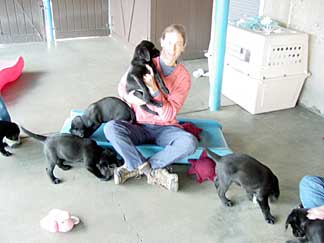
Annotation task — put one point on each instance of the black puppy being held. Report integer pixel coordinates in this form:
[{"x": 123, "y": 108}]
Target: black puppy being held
[
  {"x": 308, "y": 230},
  {"x": 103, "y": 110},
  {"x": 143, "y": 55},
  {"x": 11, "y": 131},
  {"x": 66, "y": 148},
  {"x": 245, "y": 171}
]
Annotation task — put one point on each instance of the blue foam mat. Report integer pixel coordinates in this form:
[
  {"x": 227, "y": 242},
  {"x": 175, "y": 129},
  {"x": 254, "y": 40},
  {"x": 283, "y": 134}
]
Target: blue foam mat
[{"x": 212, "y": 136}]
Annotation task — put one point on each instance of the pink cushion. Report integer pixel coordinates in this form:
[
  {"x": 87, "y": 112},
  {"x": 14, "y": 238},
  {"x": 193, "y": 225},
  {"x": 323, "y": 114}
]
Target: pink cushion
[{"x": 10, "y": 70}]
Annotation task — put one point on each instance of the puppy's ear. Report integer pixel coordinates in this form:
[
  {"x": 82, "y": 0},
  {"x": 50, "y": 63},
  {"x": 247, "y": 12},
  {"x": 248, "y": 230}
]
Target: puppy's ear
[
  {"x": 108, "y": 153},
  {"x": 88, "y": 123},
  {"x": 77, "y": 127},
  {"x": 286, "y": 225},
  {"x": 291, "y": 219},
  {"x": 144, "y": 54},
  {"x": 303, "y": 219},
  {"x": 76, "y": 121}
]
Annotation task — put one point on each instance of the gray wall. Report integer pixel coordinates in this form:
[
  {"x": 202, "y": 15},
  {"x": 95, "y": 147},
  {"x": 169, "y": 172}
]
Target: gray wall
[
  {"x": 306, "y": 16},
  {"x": 194, "y": 15},
  {"x": 133, "y": 21}
]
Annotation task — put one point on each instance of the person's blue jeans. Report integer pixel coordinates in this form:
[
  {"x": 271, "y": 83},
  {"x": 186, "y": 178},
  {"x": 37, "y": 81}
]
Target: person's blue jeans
[
  {"x": 4, "y": 114},
  {"x": 311, "y": 191},
  {"x": 124, "y": 137}
]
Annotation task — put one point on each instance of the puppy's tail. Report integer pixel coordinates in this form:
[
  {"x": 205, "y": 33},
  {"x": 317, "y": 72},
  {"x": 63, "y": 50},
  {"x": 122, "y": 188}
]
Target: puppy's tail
[
  {"x": 34, "y": 135},
  {"x": 212, "y": 154}
]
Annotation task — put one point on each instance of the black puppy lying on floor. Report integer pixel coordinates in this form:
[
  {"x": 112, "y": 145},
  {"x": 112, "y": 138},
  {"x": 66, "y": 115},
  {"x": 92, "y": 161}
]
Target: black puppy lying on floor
[
  {"x": 254, "y": 177},
  {"x": 9, "y": 130},
  {"x": 104, "y": 110},
  {"x": 144, "y": 52},
  {"x": 66, "y": 148},
  {"x": 309, "y": 230}
]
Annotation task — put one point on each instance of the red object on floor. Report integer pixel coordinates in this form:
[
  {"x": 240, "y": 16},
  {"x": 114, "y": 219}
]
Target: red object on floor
[
  {"x": 191, "y": 128},
  {"x": 203, "y": 168},
  {"x": 10, "y": 70}
]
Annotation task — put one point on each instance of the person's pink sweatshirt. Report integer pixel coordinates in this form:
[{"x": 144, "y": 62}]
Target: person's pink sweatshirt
[{"x": 178, "y": 83}]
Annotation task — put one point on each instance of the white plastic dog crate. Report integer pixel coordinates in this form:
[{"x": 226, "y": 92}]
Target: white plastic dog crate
[{"x": 264, "y": 71}]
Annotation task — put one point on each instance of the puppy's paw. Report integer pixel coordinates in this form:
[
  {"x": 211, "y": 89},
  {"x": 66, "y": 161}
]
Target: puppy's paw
[
  {"x": 65, "y": 167},
  {"x": 155, "y": 103},
  {"x": 57, "y": 181},
  {"x": 251, "y": 197},
  {"x": 270, "y": 219},
  {"x": 6, "y": 153},
  {"x": 106, "y": 178},
  {"x": 13, "y": 143},
  {"x": 228, "y": 203}
]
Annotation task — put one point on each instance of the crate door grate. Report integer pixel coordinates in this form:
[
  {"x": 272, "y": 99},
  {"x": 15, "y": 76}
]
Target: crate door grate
[{"x": 284, "y": 55}]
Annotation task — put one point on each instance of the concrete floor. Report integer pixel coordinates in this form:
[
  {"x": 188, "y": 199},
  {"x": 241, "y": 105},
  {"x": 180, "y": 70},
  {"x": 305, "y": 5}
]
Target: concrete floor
[{"x": 75, "y": 73}]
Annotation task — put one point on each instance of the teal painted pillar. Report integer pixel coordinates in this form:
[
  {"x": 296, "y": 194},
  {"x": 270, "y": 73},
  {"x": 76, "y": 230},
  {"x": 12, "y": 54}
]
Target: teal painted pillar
[
  {"x": 49, "y": 25},
  {"x": 216, "y": 52}
]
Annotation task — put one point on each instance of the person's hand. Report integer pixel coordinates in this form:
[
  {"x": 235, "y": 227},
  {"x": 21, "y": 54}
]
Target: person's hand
[
  {"x": 316, "y": 213},
  {"x": 150, "y": 81}
]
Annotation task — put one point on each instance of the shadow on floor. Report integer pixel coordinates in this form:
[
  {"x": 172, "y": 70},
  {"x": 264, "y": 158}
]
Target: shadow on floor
[{"x": 14, "y": 91}]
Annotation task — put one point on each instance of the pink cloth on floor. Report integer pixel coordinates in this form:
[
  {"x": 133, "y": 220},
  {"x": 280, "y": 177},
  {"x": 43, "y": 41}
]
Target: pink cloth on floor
[{"x": 203, "y": 168}]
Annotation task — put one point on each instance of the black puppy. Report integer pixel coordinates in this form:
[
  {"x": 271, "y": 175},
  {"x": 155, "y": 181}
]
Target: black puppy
[
  {"x": 66, "y": 148},
  {"x": 309, "y": 230},
  {"x": 144, "y": 52},
  {"x": 104, "y": 110},
  {"x": 11, "y": 131},
  {"x": 254, "y": 177}
]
